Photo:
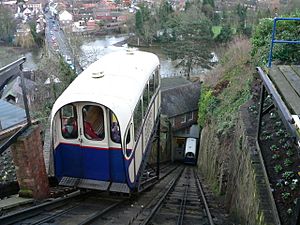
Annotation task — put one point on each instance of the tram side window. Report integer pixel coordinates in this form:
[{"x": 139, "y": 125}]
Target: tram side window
[
  {"x": 128, "y": 149},
  {"x": 68, "y": 117},
  {"x": 115, "y": 129},
  {"x": 156, "y": 79},
  {"x": 151, "y": 86},
  {"x": 93, "y": 120},
  {"x": 137, "y": 119},
  {"x": 145, "y": 99}
]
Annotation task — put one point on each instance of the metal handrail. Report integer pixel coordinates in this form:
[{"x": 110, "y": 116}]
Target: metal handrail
[
  {"x": 13, "y": 64},
  {"x": 13, "y": 138},
  {"x": 273, "y": 41}
]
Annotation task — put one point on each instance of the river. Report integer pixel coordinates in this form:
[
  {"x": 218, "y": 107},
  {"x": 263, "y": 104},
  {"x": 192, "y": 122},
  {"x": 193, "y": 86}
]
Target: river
[{"x": 91, "y": 50}]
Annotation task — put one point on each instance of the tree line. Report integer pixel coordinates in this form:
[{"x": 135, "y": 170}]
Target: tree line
[{"x": 189, "y": 34}]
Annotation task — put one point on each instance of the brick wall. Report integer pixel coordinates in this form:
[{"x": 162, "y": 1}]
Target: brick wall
[
  {"x": 29, "y": 162},
  {"x": 178, "y": 124}
]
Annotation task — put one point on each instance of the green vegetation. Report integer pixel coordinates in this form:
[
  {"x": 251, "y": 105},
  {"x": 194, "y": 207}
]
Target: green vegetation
[
  {"x": 231, "y": 88},
  {"x": 231, "y": 91},
  {"x": 25, "y": 40},
  {"x": 286, "y": 30},
  {"x": 205, "y": 101},
  {"x": 278, "y": 168},
  {"x": 39, "y": 38},
  {"x": 7, "y": 24},
  {"x": 186, "y": 35},
  {"x": 191, "y": 42},
  {"x": 60, "y": 75},
  {"x": 288, "y": 175},
  {"x": 225, "y": 35},
  {"x": 216, "y": 30},
  {"x": 25, "y": 193},
  {"x": 286, "y": 195},
  {"x": 287, "y": 162}
]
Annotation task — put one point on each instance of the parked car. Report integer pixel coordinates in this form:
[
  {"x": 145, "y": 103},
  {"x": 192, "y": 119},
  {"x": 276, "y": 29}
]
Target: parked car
[{"x": 68, "y": 60}]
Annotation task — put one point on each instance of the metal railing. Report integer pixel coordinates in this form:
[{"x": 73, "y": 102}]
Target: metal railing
[
  {"x": 280, "y": 41},
  {"x": 7, "y": 69}
]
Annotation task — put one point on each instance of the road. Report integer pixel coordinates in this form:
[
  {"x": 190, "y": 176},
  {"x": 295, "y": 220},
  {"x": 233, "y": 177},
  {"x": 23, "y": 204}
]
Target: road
[{"x": 58, "y": 43}]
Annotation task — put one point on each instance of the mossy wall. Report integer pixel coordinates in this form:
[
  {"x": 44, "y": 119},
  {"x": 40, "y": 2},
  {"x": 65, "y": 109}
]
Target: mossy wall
[{"x": 231, "y": 165}]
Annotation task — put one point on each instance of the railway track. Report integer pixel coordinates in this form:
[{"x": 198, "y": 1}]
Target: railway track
[
  {"x": 76, "y": 208},
  {"x": 176, "y": 198},
  {"x": 182, "y": 202}
]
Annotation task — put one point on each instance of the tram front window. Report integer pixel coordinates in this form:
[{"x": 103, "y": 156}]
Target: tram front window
[
  {"x": 69, "y": 127},
  {"x": 93, "y": 120}
]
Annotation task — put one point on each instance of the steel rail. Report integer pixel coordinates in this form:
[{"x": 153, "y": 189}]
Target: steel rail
[
  {"x": 98, "y": 214},
  {"x": 160, "y": 178},
  {"x": 35, "y": 210},
  {"x": 161, "y": 200},
  {"x": 49, "y": 218},
  {"x": 182, "y": 206},
  {"x": 210, "y": 220}
]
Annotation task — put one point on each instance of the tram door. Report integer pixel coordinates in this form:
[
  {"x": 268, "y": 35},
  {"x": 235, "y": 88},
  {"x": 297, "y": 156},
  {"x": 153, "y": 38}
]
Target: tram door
[
  {"x": 85, "y": 153},
  {"x": 94, "y": 144}
]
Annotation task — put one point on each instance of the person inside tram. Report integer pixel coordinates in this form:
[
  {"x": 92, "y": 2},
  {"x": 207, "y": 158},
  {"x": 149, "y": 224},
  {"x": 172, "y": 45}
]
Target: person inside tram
[
  {"x": 70, "y": 128},
  {"x": 115, "y": 132},
  {"x": 89, "y": 131},
  {"x": 115, "y": 129},
  {"x": 93, "y": 122}
]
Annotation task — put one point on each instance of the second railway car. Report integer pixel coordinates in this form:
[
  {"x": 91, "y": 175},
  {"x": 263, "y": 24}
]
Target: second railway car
[
  {"x": 190, "y": 151},
  {"x": 104, "y": 122}
]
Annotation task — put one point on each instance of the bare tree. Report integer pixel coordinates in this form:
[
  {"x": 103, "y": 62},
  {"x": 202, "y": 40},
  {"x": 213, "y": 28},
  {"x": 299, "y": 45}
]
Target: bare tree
[{"x": 7, "y": 24}]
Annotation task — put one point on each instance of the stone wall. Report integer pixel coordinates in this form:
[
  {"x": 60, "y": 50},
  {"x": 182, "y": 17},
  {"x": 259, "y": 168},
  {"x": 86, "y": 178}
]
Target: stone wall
[{"x": 232, "y": 166}]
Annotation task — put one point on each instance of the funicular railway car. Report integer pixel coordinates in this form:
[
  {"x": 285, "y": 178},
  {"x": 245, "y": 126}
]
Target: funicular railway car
[
  {"x": 103, "y": 124},
  {"x": 190, "y": 151}
]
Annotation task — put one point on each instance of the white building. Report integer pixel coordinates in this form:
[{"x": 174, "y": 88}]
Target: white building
[{"x": 65, "y": 18}]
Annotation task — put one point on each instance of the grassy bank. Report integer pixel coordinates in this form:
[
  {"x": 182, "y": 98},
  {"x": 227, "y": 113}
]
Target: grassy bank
[{"x": 227, "y": 87}]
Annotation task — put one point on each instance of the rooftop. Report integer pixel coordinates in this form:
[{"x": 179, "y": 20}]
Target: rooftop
[{"x": 180, "y": 99}]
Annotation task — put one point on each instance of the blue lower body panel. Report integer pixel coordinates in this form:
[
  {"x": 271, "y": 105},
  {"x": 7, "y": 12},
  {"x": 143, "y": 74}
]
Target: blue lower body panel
[
  {"x": 190, "y": 161},
  {"x": 89, "y": 163}
]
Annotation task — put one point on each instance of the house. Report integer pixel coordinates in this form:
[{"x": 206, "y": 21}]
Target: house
[
  {"x": 91, "y": 24},
  {"x": 27, "y": 12},
  {"x": 79, "y": 26},
  {"x": 12, "y": 92},
  {"x": 65, "y": 18},
  {"x": 180, "y": 104},
  {"x": 36, "y": 6}
]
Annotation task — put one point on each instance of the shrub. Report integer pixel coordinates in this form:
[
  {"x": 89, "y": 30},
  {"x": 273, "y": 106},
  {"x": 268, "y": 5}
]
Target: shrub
[
  {"x": 277, "y": 168},
  {"x": 206, "y": 98}
]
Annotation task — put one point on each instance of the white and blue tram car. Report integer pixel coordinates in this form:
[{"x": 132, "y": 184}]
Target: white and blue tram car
[
  {"x": 103, "y": 123},
  {"x": 190, "y": 151}
]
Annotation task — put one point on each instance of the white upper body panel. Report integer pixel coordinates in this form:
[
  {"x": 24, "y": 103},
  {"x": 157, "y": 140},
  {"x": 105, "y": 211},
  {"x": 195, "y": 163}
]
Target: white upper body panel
[
  {"x": 116, "y": 81},
  {"x": 190, "y": 145}
]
